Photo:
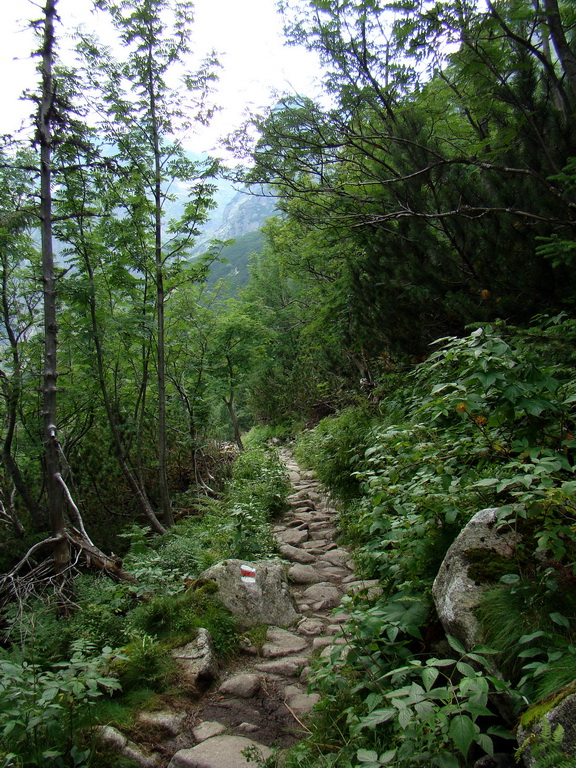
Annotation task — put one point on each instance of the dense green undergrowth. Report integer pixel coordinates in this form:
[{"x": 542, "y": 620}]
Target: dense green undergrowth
[
  {"x": 485, "y": 421},
  {"x": 111, "y": 654}
]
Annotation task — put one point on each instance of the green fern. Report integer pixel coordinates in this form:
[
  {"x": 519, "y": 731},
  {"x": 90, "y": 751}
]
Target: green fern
[{"x": 545, "y": 748}]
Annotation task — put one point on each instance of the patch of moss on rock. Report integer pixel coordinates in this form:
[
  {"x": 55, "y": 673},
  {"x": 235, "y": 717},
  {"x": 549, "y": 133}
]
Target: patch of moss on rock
[{"x": 487, "y": 566}]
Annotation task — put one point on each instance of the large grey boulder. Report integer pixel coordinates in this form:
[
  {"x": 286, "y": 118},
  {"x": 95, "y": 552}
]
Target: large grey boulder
[
  {"x": 264, "y": 599},
  {"x": 197, "y": 662},
  {"x": 456, "y": 594}
]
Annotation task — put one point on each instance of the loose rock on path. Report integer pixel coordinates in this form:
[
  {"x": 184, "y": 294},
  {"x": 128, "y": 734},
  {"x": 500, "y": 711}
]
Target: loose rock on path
[{"x": 262, "y": 703}]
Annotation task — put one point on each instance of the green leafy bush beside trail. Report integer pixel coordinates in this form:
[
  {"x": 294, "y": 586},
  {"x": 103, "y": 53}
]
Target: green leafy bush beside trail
[{"x": 485, "y": 421}]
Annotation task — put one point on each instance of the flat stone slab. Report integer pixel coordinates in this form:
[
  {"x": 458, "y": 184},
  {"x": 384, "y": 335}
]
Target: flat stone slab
[
  {"x": 322, "y": 642},
  {"x": 289, "y": 666},
  {"x": 293, "y": 537},
  {"x": 324, "y": 593},
  {"x": 332, "y": 573},
  {"x": 337, "y": 556},
  {"x": 280, "y": 642},
  {"x": 218, "y": 752},
  {"x": 322, "y": 525},
  {"x": 299, "y": 496},
  {"x": 303, "y": 574},
  {"x": 245, "y": 686},
  {"x": 323, "y": 545},
  {"x": 296, "y": 555}
]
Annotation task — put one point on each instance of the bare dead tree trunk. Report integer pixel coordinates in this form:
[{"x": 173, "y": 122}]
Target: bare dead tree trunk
[{"x": 56, "y": 499}]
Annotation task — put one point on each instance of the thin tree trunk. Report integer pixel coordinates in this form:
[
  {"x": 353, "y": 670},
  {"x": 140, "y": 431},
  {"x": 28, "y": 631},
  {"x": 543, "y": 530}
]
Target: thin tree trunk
[
  {"x": 165, "y": 504},
  {"x": 56, "y": 501}
]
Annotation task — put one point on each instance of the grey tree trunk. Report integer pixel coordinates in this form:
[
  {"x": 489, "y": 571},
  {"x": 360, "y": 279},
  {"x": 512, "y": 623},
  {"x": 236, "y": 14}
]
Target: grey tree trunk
[{"x": 54, "y": 490}]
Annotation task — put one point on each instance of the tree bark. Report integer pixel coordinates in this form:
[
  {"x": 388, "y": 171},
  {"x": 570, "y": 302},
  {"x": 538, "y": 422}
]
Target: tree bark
[{"x": 565, "y": 54}]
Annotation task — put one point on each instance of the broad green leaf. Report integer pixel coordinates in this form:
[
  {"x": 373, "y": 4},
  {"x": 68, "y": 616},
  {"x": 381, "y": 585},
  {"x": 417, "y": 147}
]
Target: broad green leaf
[
  {"x": 533, "y": 636},
  {"x": 446, "y": 761},
  {"x": 510, "y": 578},
  {"x": 455, "y": 644},
  {"x": 377, "y": 717},
  {"x": 462, "y": 731},
  {"x": 429, "y": 676},
  {"x": 466, "y": 669},
  {"x": 560, "y": 619}
]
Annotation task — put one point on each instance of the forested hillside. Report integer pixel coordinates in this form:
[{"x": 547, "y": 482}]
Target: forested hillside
[{"x": 406, "y": 317}]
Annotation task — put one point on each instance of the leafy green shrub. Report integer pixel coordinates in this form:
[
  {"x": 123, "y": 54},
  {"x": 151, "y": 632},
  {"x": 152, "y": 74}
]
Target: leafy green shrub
[
  {"x": 42, "y": 709},
  {"x": 258, "y": 476},
  {"x": 487, "y": 420},
  {"x": 261, "y": 434},
  {"x": 334, "y": 449}
]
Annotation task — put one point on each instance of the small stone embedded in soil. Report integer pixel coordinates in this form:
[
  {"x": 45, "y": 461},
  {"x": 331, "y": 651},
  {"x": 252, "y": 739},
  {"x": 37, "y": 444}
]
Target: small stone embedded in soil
[
  {"x": 207, "y": 730},
  {"x": 245, "y": 686},
  {"x": 197, "y": 662},
  {"x": 303, "y": 703},
  {"x": 292, "y": 690},
  {"x": 218, "y": 752},
  {"x": 311, "y": 627},
  {"x": 247, "y": 727}
]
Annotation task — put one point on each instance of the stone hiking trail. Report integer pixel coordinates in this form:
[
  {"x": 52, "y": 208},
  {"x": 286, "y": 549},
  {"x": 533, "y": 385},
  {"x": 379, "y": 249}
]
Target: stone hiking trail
[{"x": 263, "y": 701}]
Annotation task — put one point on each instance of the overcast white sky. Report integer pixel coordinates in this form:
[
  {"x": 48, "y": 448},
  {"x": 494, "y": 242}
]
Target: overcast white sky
[{"x": 247, "y": 34}]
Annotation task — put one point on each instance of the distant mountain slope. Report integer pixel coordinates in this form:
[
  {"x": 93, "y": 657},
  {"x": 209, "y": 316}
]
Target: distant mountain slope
[
  {"x": 236, "y": 214},
  {"x": 234, "y": 266},
  {"x": 237, "y": 218}
]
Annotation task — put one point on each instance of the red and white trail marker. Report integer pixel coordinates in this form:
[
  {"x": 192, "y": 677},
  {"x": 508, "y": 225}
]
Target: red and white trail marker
[{"x": 248, "y": 574}]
